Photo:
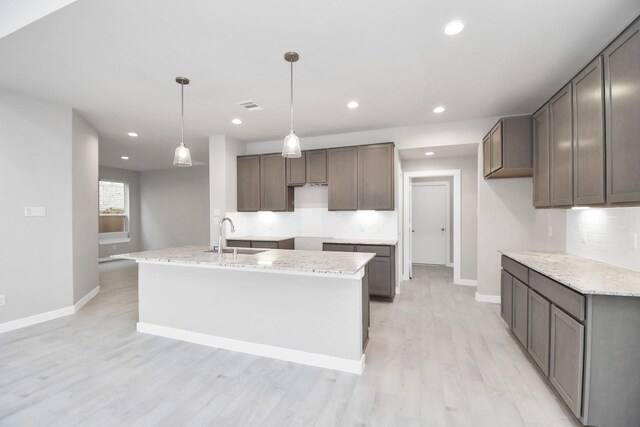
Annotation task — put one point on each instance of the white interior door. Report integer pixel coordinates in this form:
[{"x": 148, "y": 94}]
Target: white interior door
[{"x": 429, "y": 224}]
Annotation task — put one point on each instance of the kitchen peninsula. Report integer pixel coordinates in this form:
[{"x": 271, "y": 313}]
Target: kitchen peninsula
[{"x": 308, "y": 307}]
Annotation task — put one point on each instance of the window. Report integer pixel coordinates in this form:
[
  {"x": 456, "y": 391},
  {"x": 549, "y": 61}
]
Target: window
[{"x": 113, "y": 220}]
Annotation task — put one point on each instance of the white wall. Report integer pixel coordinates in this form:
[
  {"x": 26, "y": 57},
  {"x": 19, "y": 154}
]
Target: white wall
[
  {"x": 133, "y": 179},
  {"x": 508, "y": 221},
  {"x": 174, "y": 207},
  {"x": 85, "y": 206},
  {"x": 468, "y": 205},
  {"x": 608, "y": 235}
]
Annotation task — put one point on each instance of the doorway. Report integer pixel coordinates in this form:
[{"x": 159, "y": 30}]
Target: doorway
[{"x": 430, "y": 225}]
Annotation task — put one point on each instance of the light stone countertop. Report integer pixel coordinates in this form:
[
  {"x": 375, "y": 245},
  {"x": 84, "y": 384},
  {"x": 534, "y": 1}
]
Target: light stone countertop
[
  {"x": 358, "y": 241},
  {"x": 261, "y": 238},
  {"x": 315, "y": 262},
  {"x": 581, "y": 274}
]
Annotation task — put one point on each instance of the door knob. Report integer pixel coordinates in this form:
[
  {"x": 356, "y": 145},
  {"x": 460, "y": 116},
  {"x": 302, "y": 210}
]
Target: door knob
[
  {"x": 442, "y": 229},
  {"x": 413, "y": 231}
]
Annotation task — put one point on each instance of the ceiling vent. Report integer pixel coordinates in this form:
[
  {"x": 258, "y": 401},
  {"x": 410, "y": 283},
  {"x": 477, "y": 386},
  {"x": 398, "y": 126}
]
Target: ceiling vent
[{"x": 250, "y": 105}]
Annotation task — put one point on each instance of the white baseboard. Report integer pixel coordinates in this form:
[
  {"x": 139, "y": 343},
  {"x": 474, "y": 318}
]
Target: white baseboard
[
  {"x": 302, "y": 357},
  {"x": 494, "y": 299},
  {"x": 35, "y": 319},
  {"x": 85, "y": 299},
  {"x": 466, "y": 282}
]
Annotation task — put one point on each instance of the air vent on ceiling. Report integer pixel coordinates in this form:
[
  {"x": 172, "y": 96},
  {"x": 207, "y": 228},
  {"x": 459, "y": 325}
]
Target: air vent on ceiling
[{"x": 250, "y": 105}]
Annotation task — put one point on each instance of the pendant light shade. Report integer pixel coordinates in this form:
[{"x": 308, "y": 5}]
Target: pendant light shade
[
  {"x": 291, "y": 145},
  {"x": 182, "y": 156}
]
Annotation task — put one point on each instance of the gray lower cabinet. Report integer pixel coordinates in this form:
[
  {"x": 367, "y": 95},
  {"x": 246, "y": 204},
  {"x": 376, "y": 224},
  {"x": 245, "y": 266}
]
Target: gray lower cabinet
[
  {"x": 520, "y": 320},
  {"x": 248, "y": 181},
  {"x": 376, "y": 177},
  {"x": 561, "y": 134},
  {"x": 567, "y": 358},
  {"x": 541, "y": 158},
  {"x": 506, "y": 297},
  {"x": 381, "y": 269},
  {"x": 622, "y": 103},
  {"x": 275, "y": 195},
  {"x": 588, "y": 137},
  {"x": 539, "y": 329},
  {"x": 342, "y": 170},
  {"x": 261, "y": 244}
]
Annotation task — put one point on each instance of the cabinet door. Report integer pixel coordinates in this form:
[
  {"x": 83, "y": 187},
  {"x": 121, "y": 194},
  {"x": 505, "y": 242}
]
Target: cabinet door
[
  {"x": 588, "y": 138},
  {"x": 496, "y": 147},
  {"x": 506, "y": 297},
  {"x": 274, "y": 193},
  {"x": 375, "y": 177},
  {"x": 520, "y": 311},
  {"x": 380, "y": 277},
  {"x": 342, "y": 168},
  {"x": 566, "y": 362},
  {"x": 316, "y": 167},
  {"x": 238, "y": 243},
  {"x": 338, "y": 247},
  {"x": 486, "y": 155},
  {"x": 539, "y": 321},
  {"x": 622, "y": 103},
  {"x": 541, "y": 158},
  {"x": 248, "y": 175},
  {"x": 297, "y": 170},
  {"x": 560, "y": 113},
  {"x": 264, "y": 245}
]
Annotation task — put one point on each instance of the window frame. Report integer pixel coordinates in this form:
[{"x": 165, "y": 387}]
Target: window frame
[{"x": 117, "y": 236}]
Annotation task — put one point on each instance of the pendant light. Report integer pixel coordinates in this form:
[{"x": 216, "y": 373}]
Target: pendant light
[
  {"x": 291, "y": 146},
  {"x": 182, "y": 156}
]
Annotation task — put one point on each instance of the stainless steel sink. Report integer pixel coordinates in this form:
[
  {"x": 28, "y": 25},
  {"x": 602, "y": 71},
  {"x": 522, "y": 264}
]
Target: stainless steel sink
[{"x": 241, "y": 251}]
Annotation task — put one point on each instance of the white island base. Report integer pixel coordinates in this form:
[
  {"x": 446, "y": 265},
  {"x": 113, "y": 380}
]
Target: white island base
[{"x": 316, "y": 319}]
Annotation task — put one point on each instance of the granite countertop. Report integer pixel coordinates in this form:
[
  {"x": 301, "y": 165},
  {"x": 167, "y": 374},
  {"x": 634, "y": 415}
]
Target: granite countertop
[
  {"x": 358, "y": 241},
  {"x": 581, "y": 274},
  {"x": 261, "y": 238},
  {"x": 347, "y": 263}
]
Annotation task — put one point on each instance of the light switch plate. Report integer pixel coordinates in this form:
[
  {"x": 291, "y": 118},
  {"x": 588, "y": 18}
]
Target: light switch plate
[
  {"x": 2, "y": 300},
  {"x": 35, "y": 211}
]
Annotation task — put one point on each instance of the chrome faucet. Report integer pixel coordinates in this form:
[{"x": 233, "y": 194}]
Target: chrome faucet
[{"x": 220, "y": 225}]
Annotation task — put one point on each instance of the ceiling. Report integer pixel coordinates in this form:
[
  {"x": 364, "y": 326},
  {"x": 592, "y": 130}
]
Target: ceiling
[
  {"x": 459, "y": 150},
  {"x": 115, "y": 61}
]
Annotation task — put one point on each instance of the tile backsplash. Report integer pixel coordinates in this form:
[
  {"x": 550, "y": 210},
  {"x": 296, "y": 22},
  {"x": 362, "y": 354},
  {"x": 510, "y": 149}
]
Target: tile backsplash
[{"x": 610, "y": 235}]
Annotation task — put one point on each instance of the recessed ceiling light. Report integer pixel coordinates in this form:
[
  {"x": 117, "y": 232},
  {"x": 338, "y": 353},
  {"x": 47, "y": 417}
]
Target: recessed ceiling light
[
  {"x": 133, "y": 134},
  {"x": 429, "y": 153},
  {"x": 353, "y": 104},
  {"x": 439, "y": 109},
  {"x": 125, "y": 157},
  {"x": 453, "y": 28},
  {"x": 236, "y": 121}
]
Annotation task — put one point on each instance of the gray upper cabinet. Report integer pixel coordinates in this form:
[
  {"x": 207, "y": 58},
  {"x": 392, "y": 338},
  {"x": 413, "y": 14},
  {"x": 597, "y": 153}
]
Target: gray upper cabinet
[
  {"x": 506, "y": 297},
  {"x": 248, "y": 183},
  {"x": 520, "y": 320},
  {"x": 316, "y": 167},
  {"x": 486, "y": 155},
  {"x": 342, "y": 171},
  {"x": 567, "y": 358},
  {"x": 375, "y": 177},
  {"x": 539, "y": 329},
  {"x": 506, "y": 150},
  {"x": 588, "y": 138},
  {"x": 275, "y": 195},
  {"x": 541, "y": 158},
  {"x": 622, "y": 103},
  {"x": 297, "y": 170},
  {"x": 561, "y": 131}
]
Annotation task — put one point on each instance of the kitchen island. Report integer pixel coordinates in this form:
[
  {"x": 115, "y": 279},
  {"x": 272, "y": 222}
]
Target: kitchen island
[{"x": 307, "y": 307}]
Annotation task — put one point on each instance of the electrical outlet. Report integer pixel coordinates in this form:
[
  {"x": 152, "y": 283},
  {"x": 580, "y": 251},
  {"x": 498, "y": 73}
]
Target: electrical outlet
[
  {"x": 35, "y": 211},
  {"x": 2, "y": 300}
]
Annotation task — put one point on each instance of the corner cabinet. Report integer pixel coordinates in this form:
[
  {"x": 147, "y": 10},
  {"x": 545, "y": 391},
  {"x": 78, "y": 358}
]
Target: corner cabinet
[
  {"x": 622, "y": 101},
  {"x": 248, "y": 183},
  {"x": 506, "y": 149}
]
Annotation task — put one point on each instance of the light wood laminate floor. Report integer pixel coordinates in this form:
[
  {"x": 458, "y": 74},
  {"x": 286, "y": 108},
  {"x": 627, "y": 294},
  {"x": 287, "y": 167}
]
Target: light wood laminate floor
[{"x": 436, "y": 358}]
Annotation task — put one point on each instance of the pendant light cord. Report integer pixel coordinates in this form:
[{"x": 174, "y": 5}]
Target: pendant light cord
[
  {"x": 291, "y": 95},
  {"x": 182, "y": 111}
]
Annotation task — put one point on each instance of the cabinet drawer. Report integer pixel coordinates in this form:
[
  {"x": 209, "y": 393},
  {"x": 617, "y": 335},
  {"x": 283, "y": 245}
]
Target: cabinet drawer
[
  {"x": 516, "y": 269},
  {"x": 337, "y": 247},
  {"x": 238, "y": 243},
  {"x": 570, "y": 301},
  {"x": 378, "y": 250},
  {"x": 264, "y": 245}
]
